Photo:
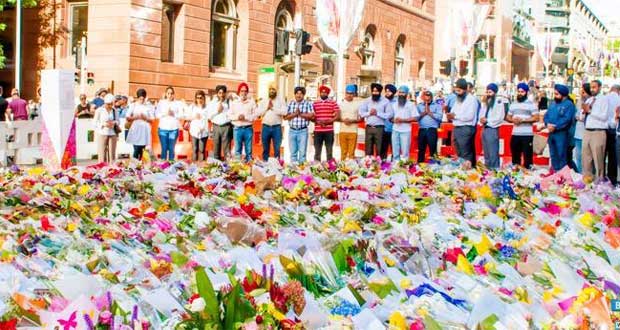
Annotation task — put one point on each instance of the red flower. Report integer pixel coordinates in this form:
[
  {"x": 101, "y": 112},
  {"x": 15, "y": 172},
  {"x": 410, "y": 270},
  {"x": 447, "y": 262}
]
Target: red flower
[
  {"x": 191, "y": 188},
  {"x": 150, "y": 215},
  {"x": 88, "y": 175},
  {"x": 135, "y": 212},
  {"x": 259, "y": 319},
  {"x": 46, "y": 225},
  {"x": 278, "y": 298},
  {"x": 8, "y": 325},
  {"x": 193, "y": 297},
  {"x": 334, "y": 208},
  {"x": 251, "y": 211}
]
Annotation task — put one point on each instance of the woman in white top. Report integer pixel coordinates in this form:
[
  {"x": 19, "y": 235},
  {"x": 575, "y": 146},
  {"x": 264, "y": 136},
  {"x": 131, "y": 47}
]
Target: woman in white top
[
  {"x": 106, "y": 125},
  {"x": 198, "y": 127},
  {"x": 580, "y": 127},
  {"x": 140, "y": 115},
  {"x": 168, "y": 112}
]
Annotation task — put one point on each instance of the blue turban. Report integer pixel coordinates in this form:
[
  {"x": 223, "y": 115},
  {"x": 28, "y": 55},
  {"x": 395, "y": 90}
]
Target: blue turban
[
  {"x": 351, "y": 89},
  {"x": 390, "y": 88},
  {"x": 562, "y": 89},
  {"x": 404, "y": 89},
  {"x": 493, "y": 87},
  {"x": 524, "y": 87}
]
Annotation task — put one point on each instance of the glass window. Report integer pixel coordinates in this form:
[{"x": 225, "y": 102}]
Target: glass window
[
  {"x": 168, "y": 29},
  {"x": 224, "y": 34},
  {"x": 399, "y": 62},
  {"x": 283, "y": 30},
  {"x": 78, "y": 17}
]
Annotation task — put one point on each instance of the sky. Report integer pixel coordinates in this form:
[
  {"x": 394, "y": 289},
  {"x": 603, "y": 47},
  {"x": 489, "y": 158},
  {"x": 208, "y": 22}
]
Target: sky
[{"x": 606, "y": 10}]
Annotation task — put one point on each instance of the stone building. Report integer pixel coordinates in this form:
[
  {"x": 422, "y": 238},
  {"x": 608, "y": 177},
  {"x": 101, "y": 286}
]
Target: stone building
[{"x": 198, "y": 44}]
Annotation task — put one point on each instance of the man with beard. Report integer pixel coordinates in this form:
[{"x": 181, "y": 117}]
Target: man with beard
[
  {"x": 375, "y": 111},
  {"x": 463, "y": 115},
  {"x": 558, "y": 120},
  {"x": 272, "y": 109},
  {"x": 610, "y": 145},
  {"x": 596, "y": 114},
  {"x": 386, "y": 141},
  {"x": 326, "y": 111},
  {"x": 430, "y": 116},
  {"x": 349, "y": 120},
  {"x": 494, "y": 110},
  {"x": 522, "y": 115},
  {"x": 404, "y": 115}
]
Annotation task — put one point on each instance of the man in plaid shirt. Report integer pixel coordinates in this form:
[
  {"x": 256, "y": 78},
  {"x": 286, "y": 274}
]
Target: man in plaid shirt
[{"x": 299, "y": 114}]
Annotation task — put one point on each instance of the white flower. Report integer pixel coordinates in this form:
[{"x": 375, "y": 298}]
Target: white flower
[{"x": 197, "y": 305}]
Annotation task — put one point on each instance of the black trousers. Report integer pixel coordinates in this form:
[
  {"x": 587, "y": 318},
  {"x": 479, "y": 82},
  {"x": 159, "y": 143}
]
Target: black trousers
[
  {"x": 610, "y": 156},
  {"x": 522, "y": 146},
  {"x": 386, "y": 142},
  {"x": 427, "y": 137},
  {"x": 320, "y": 139},
  {"x": 137, "y": 152},
  {"x": 373, "y": 140},
  {"x": 199, "y": 146}
]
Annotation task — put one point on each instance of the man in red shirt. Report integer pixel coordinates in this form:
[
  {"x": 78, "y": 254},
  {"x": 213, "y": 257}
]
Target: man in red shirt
[
  {"x": 326, "y": 111},
  {"x": 18, "y": 108}
]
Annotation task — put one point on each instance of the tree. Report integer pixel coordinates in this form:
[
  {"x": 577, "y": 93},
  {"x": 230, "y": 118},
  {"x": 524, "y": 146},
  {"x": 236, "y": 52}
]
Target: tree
[{"x": 11, "y": 3}]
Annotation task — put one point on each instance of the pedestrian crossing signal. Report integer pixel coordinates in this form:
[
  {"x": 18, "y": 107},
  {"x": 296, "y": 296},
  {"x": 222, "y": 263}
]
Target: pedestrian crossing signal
[
  {"x": 90, "y": 78},
  {"x": 463, "y": 68},
  {"x": 76, "y": 77}
]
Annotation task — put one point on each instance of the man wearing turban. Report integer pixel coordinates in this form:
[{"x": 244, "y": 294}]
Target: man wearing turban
[
  {"x": 558, "y": 120},
  {"x": 464, "y": 117},
  {"x": 325, "y": 113},
  {"x": 349, "y": 120},
  {"x": 386, "y": 141},
  {"x": 404, "y": 114},
  {"x": 522, "y": 114},
  {"x": 242, "y": 114},
  {"x": 375, "y": 111},
  {"x": 271, "y": 109},
  {"x": 492, "y": 116}
]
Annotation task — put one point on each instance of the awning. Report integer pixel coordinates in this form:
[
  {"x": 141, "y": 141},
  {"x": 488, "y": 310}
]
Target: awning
[{"x": 289, "y": 67}]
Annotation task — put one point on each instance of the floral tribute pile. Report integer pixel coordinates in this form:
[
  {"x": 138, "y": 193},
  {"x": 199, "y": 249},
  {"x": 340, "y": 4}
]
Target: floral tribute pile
[{"x": 351, "y": 245}]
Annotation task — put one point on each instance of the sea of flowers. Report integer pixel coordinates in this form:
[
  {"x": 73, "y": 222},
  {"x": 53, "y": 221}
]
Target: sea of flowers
[{"x": 350, "y": 245}]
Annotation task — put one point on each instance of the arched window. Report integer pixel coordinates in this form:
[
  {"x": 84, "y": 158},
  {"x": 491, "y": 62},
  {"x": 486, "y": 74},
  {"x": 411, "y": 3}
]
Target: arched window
[
  {"x": 224, "y": 25},
  {"x": 399, "y": 60},
  {"x": 368, "y": 46},
  {"x": 283, "y": 28}
]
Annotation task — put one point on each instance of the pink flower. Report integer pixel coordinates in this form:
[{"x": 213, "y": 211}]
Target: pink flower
[
  {"x": 105, "y": 317},
  {"x": 378, "y": 220},
  {"x": 58, "y": 304}
]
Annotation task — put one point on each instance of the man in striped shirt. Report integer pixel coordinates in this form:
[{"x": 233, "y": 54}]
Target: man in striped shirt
[
  {"x": 325, "y": 112},
  {"x": 299, "y": 114}
]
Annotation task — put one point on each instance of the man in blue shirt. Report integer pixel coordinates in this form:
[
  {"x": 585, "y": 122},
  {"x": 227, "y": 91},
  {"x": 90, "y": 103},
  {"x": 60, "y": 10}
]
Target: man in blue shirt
[
  {"x": 375, "y": 111},
  {"x": 430, "y": 116},
  {"x": 386, "y": 141},
  {"x": 558, "y": 121}
]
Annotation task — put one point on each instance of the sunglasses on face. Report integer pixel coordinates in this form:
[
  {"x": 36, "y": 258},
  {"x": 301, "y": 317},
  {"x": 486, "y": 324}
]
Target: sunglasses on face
[{"x": 199, "y": 98}]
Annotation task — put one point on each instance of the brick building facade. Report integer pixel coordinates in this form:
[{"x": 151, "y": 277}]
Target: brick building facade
[{"x": 198, "y": 44}]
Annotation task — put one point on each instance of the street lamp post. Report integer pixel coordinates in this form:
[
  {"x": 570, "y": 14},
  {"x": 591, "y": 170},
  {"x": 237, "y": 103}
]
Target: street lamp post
[{"x": 18, "y": 45}]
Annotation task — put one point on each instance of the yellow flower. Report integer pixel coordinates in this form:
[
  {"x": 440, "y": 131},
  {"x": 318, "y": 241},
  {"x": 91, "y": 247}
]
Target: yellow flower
[
  {"x": 586, "y": 219},
  {"x": 273, "y": 311},
  {"x": 83, "y": 190},
  {"x": 351, "y": 226},
  {"x": 397, "y": 321},
  {"x": 389, "y": 261},
  {"x": 485, "y": 192},
  {"x": 36, "y": 171},
  {"x": 405, "y": 283},
  {"x": 243, "y": 199},
  {"x": 484, "y": 245},
  {"x": 464, "y": 266},
  {"x": 348, "y": 211},
  {"x": 71, "y": 227}
]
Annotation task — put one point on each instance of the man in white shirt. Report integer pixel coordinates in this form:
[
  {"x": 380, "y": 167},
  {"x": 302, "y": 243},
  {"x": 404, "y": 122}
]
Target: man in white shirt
[
  {"x": 271, "y": 109},
  {"x": 242, "y": 114},
  {"x": 610, "y": 146},
  {"x": 492, "y": 116},
  {"x": 596, "y": 114},
  {"x": 217, "y": 112},
  {"x": 463, "y": 115}
]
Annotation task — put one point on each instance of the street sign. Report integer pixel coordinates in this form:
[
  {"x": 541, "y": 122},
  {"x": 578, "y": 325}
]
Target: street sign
[{"x": 268, "y": 69}]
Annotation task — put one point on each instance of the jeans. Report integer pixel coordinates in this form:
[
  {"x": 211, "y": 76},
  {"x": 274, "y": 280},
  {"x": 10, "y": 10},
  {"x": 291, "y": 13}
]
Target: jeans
[
  {"x": 617, "y": 152},
  {"x": 490, "y": 147},
  {"x": 243, "y": 137},
  {"x": 167, "y": 139},
  {"x": 386, "y": 141},
  {"x": 427, "y": 137},
  {"x": 577, "y": 154},
  {"x": 522, "y": 146},
  {"x": 269, "y": 135},
  {"x": 199, "y": 148},
  {"x": 610, "y": 156},
  {"x": 320, "y": 139},
  {"x": 373, "y": 140},
  {"x": 401, "y": 145},
  {"x": 557, "y": 149},
  {"x": 464, "y": 140},
  {"x": 138, "y": 151},
  {"x": 298, "y": 143}
]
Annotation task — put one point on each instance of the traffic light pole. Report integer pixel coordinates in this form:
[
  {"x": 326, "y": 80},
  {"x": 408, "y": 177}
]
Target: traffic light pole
[{"x": 83, "y": 66}]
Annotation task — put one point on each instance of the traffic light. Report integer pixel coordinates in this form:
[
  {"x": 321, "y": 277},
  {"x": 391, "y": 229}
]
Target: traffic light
[
  {"x": 302, "y": 39},
  {"x": 463, "y": 68},
  {"x": 90, "y": 78},
  {"x": 445, "y": 67},
  {"x": 76, "y": 77}
]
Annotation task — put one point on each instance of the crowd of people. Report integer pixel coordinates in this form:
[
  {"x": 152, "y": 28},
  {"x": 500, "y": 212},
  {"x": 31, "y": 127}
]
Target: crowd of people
[{"x": 582, "y": 130}]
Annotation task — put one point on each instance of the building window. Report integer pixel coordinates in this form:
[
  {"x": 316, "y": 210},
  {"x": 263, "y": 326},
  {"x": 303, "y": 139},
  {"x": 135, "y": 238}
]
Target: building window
[
  {"x": 224, "y": 25},
  {"x": 399, "y": 60},
  {"x": 368, "y": 47},
  {"x": 283, "y": 29},
  {"x": 78, "y": 18},
  {"x": 169, "y": 37},
  {"x": 421, "y": 70}
]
